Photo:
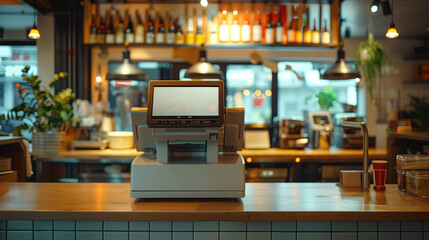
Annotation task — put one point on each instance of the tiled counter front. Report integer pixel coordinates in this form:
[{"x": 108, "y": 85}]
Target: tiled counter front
[{"x": 210, "y": 230}]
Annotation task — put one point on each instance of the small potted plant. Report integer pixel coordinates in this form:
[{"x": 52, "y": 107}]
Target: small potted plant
[
  {"x": 326, "y": 98},
  {"x": 48, "y": 116}
]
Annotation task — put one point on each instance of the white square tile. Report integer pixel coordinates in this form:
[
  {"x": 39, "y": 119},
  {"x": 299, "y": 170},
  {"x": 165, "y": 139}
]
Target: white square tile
[
  {"x": 3, "y": 235},
  {"x": 43, "y": 225},
  {"x": 2, "y": 224},
  {"x": 43, "y": 235},
  {"x": 89, "y": 235},
  {"x": 64, "y": 225},
  {"x": 64, "y": 235},
  {"x": 412, "y": 235},
  {"x": 344, "y": 235},
  {"x": 426, "y": 226},
  {"x": 283, "y": 226},
  {"x": 258, "y": 235},
  {"x": 411, "y": 226},
  {"x": 115, "y": 225},
  {"x": 139, "y": 235},
  {"x": 283, "y": 236},
  {"x": 160, "y": 226},
  {"x": 115, "y": 235},
  {"x": 232, "y": 226},
  {"x": 206, "y": 226},
  {"x": 367, "y": 235},
  {"x": 19, "y": 235},
  {"x": 89, "y": 225},
  {"x": 313, "y": 235},
  {"x": 182, "y": 235},
  {"x": 259, "y": 226},
  {"x": 314, "y": 226},
  {"x": 389, "y": 235},
  {"x": 183, "y": 226},
  {"x": 160, "y": 235},
  {"x": 139, "y": 226},
  {"x": 206, "y": 236},
  {"x": 19, "y": 225},
  {"x": 426, "y": 235},
  {"x": 344, "y": 226},
  {"x": 232, "y": 235}
]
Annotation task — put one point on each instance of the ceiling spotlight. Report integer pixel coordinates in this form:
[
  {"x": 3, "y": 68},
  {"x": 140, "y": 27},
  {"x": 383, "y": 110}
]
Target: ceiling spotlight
[
  {"x": 204, "y": 3},
  {"x": 374, "y": 6},
  {"x": 34, "y": 32},
  {"x": 385, "y": 6}
]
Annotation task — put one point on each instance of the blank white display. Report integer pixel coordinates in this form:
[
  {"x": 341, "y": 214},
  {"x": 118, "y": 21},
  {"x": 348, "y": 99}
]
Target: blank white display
[{"x": 185, "y": 102}]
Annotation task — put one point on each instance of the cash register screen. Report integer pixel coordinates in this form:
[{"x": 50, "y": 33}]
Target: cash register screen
[{"x": 185, "y": 102}]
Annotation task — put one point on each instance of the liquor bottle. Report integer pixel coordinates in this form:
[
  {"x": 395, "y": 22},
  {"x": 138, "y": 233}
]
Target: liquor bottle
[
  {"x": 269, "y": 30},
  {"x": 245, "y": 28},
  {"x": 180, "y": 37},
  {"x": 150, "y": 33},
  {"x": 326, "y": 37},
  {"x": 101, "y": 31},
  {"x": 315, "y": 34},
  {"x": 224, "y": 28},
  {"x": 213, "y": 31},
  {"x": 160, "y": 36},
  {"x": 110, "y": 32},
  {"x": 200, "y": 38},
  {"x": 171, "y": 30},
  {"x": 279, "y": 28},
  {"x": 257, "y": 28},
  {"x": 190, "y": 36},
  {"x": 298, "y": 32},
  {"x": 291, "y": 32},
  {"x": 139, "y": 35},
  {"x": 307, "y": 31},
  {"x": 93, "y": 30},
  {"x": 119, "y": 34},
  {"x": 129, "y": 31},
  {"x": 235, "y": 28}
]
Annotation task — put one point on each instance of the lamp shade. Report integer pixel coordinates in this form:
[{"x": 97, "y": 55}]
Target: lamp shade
[
  {"x": 392, "y": 32},
  {"x": 126, "y": 71},
  {"x": 340, "y": 70},
  {"x": 34, "y": 33},
  {"x": 203, "y": 69}
]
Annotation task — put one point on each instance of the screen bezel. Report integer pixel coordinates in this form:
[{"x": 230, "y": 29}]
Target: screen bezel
[
  {"x": 207, "y": 120},
  {"x": 318, "y": 127}
]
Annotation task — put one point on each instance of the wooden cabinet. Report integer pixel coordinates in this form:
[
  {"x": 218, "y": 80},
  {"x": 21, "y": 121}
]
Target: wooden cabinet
[
  {"x": 397, "y": 143},
  {"x": 14, "y": 148}
]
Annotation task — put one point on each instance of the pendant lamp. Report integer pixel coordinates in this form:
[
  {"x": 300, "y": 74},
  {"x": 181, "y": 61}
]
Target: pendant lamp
[
  {"x": 203, "y": 69},
  {"x": 126, "y": 71},
  {"x": 392, "y": 32},
  {"x": 340, "y": 70},
  {"x": 34, "y": 32}
]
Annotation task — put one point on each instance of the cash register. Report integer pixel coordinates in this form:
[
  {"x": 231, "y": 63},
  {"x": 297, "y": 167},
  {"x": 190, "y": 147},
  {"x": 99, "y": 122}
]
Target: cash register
[{"x": 190, "y": 143}]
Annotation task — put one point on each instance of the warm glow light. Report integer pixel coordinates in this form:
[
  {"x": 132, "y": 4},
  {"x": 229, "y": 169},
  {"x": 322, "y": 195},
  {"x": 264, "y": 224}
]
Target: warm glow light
[
  {"x": 235, "y": 12},
  {"x": 297, "y": 159},
  {"x": 268, "y": 93},
  {"x": 34, "y": 33},
  {"x": 98, "y": 79},
  {"x": 357, "y": 80},
  {"x": 246, "y": 92},
  {"x": 249, "y": 160},
  {"x": 392, "y": 32},
  {"x": 258, "y": 92},
  {"x": 204, "y": 3},
  {"x": 224, "y": 12}
]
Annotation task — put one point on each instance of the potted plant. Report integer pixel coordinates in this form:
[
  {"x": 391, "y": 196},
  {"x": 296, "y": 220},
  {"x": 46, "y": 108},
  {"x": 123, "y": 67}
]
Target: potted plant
[
  {"x": 371, "y": 60},
  {"x": 48, "y": 116},
  {"x": 420, "y": 107},
  {"x": 326, "y": 98}
]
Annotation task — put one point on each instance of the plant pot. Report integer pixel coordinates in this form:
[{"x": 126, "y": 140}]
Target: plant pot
[{"x": 51, "y": 142}]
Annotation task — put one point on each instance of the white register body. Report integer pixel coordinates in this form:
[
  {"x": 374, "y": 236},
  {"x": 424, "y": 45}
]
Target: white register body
[{"x": 191, "y": 153}]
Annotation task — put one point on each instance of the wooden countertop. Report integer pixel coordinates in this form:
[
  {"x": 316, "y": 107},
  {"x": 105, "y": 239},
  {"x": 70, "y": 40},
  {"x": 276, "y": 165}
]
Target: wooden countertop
[
  {"x": 263, "y": 202},
  {"x": 265, "y": 154}
]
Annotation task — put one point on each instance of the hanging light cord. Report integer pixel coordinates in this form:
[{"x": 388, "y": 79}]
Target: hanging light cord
[{"x": 392, "y": 11}]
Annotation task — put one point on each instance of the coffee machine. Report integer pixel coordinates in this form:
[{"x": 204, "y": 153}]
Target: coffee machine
[
  {"x": 322, "y": 128},
  {"x": 346, "y": 137},
  {"x": 290, "y": 134}
]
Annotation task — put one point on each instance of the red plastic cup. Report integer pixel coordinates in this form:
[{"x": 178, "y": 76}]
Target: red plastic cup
[{"x": 379, "y": 167}]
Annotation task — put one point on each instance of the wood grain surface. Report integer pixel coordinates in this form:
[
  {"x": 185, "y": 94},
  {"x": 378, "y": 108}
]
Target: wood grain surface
[{"x": 263, "y": 202}]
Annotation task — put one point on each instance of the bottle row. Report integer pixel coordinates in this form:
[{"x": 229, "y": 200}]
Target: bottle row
[{"x": 230, "y": 24}]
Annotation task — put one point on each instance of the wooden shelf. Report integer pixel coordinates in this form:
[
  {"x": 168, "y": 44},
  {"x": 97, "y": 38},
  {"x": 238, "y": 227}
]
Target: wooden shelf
[
  {"x": 417, "y": 82},
  {"x": 10, "y": 176},
  {"x": 14, "y": 148},
  {"x": 225, "y": 1}
]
